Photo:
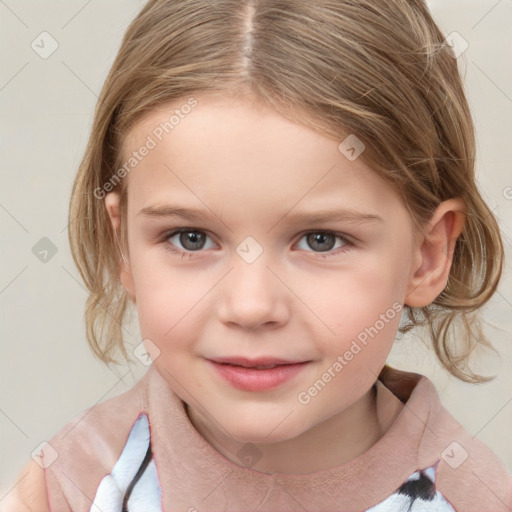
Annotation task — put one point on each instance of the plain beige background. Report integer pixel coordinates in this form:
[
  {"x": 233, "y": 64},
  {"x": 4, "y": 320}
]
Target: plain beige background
[{"x": 48, "y": 374}]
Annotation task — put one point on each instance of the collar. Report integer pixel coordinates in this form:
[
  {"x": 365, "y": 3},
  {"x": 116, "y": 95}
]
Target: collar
[{"x": 422, "y": 434}]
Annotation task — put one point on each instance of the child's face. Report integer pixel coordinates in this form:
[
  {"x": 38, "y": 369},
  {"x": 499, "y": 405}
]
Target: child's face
[{"x": 252, "y": 283}]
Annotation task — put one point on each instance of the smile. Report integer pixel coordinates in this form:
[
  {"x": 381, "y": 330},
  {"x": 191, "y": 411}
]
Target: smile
[{"x": 259, "y": 377}]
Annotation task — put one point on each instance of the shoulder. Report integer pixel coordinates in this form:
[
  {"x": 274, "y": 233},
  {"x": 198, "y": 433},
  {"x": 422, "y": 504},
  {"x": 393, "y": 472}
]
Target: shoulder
[
  {"x": 85, "y": 450},
  {"x": 471, "y": 474},
  {"x": 28, "y": 493},
  {"x": 99, "y": 427},
  {"x": 468, "y": 474}
]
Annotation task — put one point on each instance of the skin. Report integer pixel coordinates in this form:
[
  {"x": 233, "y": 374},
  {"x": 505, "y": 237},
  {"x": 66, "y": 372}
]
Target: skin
[{"x": 248, "y": 166}]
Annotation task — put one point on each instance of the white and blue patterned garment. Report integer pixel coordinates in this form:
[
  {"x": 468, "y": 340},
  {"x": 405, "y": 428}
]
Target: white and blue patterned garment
[
  {"x": 417, "y": 494},
  {"x": 146, "y": 495}
]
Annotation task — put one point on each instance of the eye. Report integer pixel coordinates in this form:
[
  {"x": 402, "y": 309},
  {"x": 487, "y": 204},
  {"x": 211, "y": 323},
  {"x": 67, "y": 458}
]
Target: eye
[
  {"x": 194, "y": 240},
  {"x": 325, "y": 242},
  {"x": 191, "y": 240}
]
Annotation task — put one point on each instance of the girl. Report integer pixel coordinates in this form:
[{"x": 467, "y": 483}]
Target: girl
[{"x": 279, "y": 187}]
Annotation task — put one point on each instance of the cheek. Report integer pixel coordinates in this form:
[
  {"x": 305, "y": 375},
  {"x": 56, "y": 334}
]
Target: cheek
[
  {"x": 359, "y": 350},
  {"x": 168, "y": 301},
  {"x": 364, "y": 339},
  {"x": 358, "y": 297},
  {"x": 363, "y": 308}
]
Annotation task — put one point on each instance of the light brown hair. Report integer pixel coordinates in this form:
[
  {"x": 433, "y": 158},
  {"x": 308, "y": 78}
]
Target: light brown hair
[{"x": 379, "y": 70}]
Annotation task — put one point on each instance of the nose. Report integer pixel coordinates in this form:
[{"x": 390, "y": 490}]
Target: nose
[{"x": 253, "y": 297}]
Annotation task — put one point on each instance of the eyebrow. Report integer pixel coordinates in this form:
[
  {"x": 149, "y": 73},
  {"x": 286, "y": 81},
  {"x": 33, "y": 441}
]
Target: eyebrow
[{"x": 347, "y": 215}]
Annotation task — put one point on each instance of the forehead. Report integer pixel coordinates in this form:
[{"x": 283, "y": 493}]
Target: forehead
[
  {"x": 238, "y": 152},
  {"x": 229, "y": 127}
]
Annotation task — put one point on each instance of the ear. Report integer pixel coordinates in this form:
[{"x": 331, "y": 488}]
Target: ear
[
  {"x": 433, "y": 253},
  {"x": 112, "y": 201}
]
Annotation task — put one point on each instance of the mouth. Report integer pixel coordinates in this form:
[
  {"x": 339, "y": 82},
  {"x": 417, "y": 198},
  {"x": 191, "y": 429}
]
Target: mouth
[
  {"x": 261, "y": 363},
  {"x": 257, "y": 375}
]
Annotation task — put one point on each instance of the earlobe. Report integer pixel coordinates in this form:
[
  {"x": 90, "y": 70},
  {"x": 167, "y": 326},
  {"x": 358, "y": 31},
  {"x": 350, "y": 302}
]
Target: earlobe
[
  {"x": 434, "y": 253},
  {"x": 112, "y": 204}
]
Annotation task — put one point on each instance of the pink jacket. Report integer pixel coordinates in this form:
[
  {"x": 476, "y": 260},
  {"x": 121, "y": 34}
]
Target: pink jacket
[{"x": 143, "y": 437}]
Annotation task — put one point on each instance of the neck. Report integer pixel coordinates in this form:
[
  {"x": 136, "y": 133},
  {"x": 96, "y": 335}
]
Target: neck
[{"x": 331, "y": 443}]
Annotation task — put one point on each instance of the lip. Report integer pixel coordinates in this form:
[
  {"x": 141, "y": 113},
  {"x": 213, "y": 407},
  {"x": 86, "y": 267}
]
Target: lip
[
  {"x": 242, "y": 376},
  {"x": 248, "y": 363}
]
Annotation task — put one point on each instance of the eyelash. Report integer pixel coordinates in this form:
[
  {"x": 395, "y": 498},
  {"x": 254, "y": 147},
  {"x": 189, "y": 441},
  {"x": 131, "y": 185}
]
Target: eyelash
[{"x": 190, "y": 254}]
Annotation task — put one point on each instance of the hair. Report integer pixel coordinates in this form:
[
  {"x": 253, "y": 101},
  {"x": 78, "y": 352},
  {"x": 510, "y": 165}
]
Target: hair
[{"x": 379, "y": 70}]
